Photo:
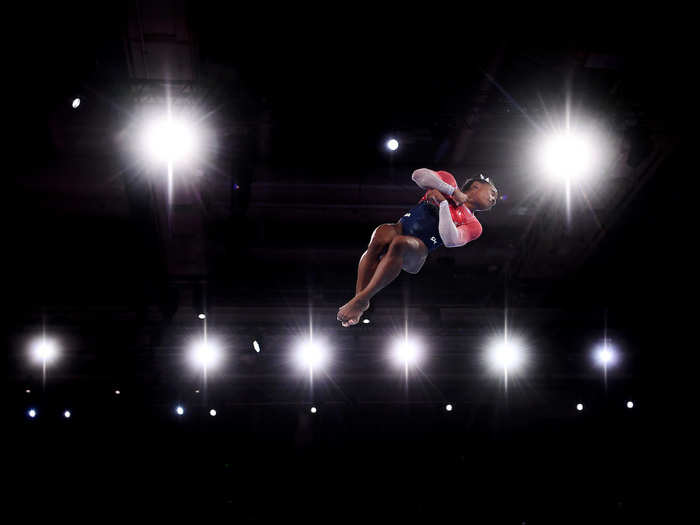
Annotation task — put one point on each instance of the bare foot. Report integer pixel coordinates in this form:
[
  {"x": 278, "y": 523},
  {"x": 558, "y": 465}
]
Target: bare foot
[{"x": 351, "y": 312}]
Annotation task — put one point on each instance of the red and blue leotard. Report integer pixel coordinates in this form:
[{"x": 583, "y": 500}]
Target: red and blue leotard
[{"x": 450, "y": 225}]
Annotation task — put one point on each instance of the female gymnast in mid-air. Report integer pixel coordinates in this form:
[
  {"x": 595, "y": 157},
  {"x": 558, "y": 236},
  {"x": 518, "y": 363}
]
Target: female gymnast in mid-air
[{"x": 444, "y": 216}]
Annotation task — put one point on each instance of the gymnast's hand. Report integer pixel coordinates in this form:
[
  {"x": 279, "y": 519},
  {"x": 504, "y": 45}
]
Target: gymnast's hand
[
  {"x": 435, "y": 197},
  {"x": 458, "y": 197}
]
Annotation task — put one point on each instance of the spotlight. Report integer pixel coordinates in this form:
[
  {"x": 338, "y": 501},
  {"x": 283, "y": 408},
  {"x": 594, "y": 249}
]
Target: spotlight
[
  {"x": 117, "y": 392},
  {"x": 406, "y": 352},
  {"x": 313, "y": 410},
  {"x": 365, "y": 321},
  {"x": 76, "y": 103},
  {"x": 170, "y": 140},
  {"x": 31, "y": 413},
  {"x": 568, "y": 156},
  {"x": 506, "y": 355},
  {"x": 206, "y": 354},
  {"x": 392, "y": 144},
  {"x": 579, "y": 407},
  {"x": 212, "y": 412},
  {"x": 448, "y": 408},
  {"x": 66, "y": 414},
  {"x": 312, "y": 354},
  {"x": 605, "y": 355},
  {"x": 28, "y": 391},
  {"x": 202, "y": 316},
  {"x": 45, "y": 350},
  {"x": 256, "y": 346},
  {"x": 630, "y": 404},
  {"x": 179, "y": 411}
]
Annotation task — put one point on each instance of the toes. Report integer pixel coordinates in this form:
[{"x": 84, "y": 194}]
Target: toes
[{"x": 347, "y": 316}]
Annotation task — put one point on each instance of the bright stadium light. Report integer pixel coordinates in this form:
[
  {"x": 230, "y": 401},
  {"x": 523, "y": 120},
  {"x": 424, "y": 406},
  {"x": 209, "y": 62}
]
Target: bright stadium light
[
  {"x": 568, "y": 156},
  {"x": 256, "y": 346},
  {"x": 406, "y": 352},
  {"x": 392, "y": 144},
  {"x": 205, "y": 354},
  {"x": 44, "y": 350},
  {"x": 32, "y": 413},
  {"x": 171, "y": 140},
  {"x": 506, "y": 355},
  {"x": 313, "y": 410},
  {"x": 67, "y": 414},
  {"x": 448, "y": 407},
  {"x": 76, "y": 103},
  {"x": 212, "y": 412},
  {"x": 179, "y": 411},
  {"x": 202, "y": 316},
  {"x": 312, "y": 354},
  {"x": 579, "y": 407},
  {"x": 366, "y": 321},
  {"x": 630, "y": 404},
  {"x": 605, "y": 355}
]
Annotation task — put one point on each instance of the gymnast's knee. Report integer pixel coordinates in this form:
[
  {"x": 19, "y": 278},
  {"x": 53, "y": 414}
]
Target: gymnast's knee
[
  {"x": 400, "y": 245},
  {"x": 381, "y": 239}
]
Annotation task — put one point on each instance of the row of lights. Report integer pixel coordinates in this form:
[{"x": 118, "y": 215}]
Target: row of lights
[
  {"x": 180, "y": 410},
  {"x": 503, "y": 354}
]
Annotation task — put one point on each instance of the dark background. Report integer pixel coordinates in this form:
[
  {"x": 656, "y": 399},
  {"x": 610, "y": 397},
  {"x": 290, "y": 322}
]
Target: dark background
[{"x": 266, "y": 236}]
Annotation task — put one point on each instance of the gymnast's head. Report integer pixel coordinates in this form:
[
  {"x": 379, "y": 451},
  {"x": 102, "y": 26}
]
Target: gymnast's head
[{"x": 481, "y": 193}]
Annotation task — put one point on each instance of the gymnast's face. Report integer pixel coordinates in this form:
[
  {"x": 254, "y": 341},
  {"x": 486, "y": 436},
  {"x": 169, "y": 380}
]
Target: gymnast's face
[{"x": 484, "y": 195}]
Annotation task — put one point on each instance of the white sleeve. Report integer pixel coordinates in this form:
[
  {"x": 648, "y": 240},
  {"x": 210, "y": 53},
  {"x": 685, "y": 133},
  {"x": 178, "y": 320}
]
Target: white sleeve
[
  {"x": 448, "y": 231},
  {"x": 428, "y": 179}
]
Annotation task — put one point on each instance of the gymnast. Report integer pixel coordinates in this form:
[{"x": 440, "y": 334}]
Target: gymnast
[{"x": 443, "y": 216}]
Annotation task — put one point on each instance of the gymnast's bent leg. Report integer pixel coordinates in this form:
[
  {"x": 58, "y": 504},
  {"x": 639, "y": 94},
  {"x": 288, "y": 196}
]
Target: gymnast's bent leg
[
  {"x": 405, "y": 251},
  {"x": 378, "y": 245}
]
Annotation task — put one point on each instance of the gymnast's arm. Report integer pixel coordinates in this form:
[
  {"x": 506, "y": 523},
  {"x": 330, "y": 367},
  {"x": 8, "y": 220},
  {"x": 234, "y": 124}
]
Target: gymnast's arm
[
  {"x": 428, "y": 179},
  {"x": 454, "y": 237}
]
